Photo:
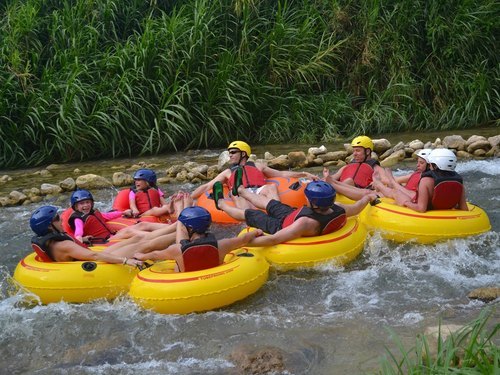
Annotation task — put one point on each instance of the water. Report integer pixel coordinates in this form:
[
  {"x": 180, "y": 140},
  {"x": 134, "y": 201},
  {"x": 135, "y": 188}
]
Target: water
[{"x": 328, "y": 320}]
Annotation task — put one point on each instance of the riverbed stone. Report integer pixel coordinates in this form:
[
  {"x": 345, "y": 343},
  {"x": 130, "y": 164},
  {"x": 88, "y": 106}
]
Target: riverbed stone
[
  {"x": 317, "y": 150},
  {"x": 5, "y": 178},
  {"x": 409, "y": 151},
  {"x": 474, "y": 138},
  {"x": 480, "y": 144},
  {"x": 4, "y": 201},
  {"x": 387, "y": 153},
  {"x": 212, "y": 172},
  {"x": 45, "y": 173},
  {"x": 455, "y": 142},
  {"x": 32, "y": 192},
  {"x": 35, "y": 199},
  {"x": 479, "y": 153},
  {"x": 122, "y": 179},
  {"x": 485, "y": 294},
  {"x": 428, "y": 145},
  {"x": 494, "y": 141},
  {"x": 17, "y": 197},
  {"x": 77, "y": 171},
  {"x": 417, "y": 144},
  {"x": 381, "y": 145},
  {"x": 54, "y": 167},
  {"x": 92, "y": 181},
  {"x": 268, "y": 156},
  {"x": 297, "y": 159},
  {"x": 280, "y": 163},
  {"x": 199, "y": 169},
  {"x": 68, "y": 184},
  {"x": 463, "y": 155},
  {"x": 50, "y": 189},
  {"x": 182, "y": 176},
  {"x": 267, "y": 360},
  {"x": 334, "y": 156},
  {"x": 223, "y": 161},
  {"x": 348, "y": 148},
  {"x": 173, "y": 170},
  {"x": 399, "y": 146},
  {"x": 393, "y": 159}
]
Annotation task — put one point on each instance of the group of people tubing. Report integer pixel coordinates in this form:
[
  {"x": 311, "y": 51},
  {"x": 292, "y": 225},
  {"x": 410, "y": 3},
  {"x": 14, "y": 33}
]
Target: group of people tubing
[{"x": 433, "y": 185}]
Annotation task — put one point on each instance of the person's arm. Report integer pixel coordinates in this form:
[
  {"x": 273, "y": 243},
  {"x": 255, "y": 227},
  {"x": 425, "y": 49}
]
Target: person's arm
[
  {"x": 358, "y": 206},
  {"x": 69, "y": 249},
  {"x": 425, "y": 189},
  {"x": 228, "y": 244},
  {"x": 112, "y": 214},
  {"x": 172, "y": 252},
  {"x": 302, "y": 227},
  {"x": 132, "y": 204},
  {"x": 462, "y": 205},
  {"x": 181, "y": 232},
  {"x": 403, "y": 179},
  {"x": 335, "y": 176},
  {"x": 271, "y": 172},
  {"x": 222, "y": 177},
  {"x": 78, "y": 232}
]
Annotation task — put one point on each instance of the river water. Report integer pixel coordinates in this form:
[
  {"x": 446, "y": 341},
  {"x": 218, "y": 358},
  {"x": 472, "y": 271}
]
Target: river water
[{"x": 327, "y": 320}]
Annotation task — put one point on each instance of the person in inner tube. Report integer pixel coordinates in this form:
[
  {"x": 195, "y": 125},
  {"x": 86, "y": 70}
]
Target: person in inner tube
[
  {"x": 51, "y": 243},
  {"x": 284, "y": 223},
  {"x": 354, "y": 180},
  {"x": 251, "y": 175},
  {"x": 403, "y": 187},
  {"x": 197, "y": 249}
]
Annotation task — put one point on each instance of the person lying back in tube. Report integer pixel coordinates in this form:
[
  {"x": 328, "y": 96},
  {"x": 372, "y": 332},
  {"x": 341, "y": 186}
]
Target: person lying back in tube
[
  {"x": 196, "y": 248},
  {"x": 440, "y": 188}
]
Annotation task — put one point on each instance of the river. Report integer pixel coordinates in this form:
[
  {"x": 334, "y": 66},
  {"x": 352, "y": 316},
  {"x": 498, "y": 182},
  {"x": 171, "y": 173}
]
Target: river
[{"x": 327, "y": 320}]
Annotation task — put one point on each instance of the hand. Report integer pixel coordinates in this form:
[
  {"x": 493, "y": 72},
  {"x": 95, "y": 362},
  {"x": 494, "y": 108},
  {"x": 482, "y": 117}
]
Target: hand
[
  {"x": 326, "y": 172},
  {"x": 87, "y": 239},
  {"x": 134, "y": 262},
  {"x": 258, "y": 232},
  {"x": 127, "y": 213},
  {"x": 135, "y": 213}
]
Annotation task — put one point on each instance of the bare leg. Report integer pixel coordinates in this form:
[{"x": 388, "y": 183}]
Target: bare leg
[
  {"x": 270, "y": 191},
  {"x": 257, "y": 200},
  {"x": 349, "y": 191},
  {"x": 234, "y": 212}
]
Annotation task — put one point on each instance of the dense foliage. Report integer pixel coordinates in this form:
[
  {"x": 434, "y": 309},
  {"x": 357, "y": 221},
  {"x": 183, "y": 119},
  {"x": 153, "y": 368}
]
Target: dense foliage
[{"x": 83, "y": 79}]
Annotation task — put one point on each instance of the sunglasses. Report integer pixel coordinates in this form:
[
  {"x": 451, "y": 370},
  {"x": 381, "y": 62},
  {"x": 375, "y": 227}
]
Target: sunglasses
[{"x": 234, "y": 152}]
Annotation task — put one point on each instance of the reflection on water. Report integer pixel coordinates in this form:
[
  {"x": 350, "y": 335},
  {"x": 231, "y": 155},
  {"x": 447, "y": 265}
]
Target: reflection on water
[{"x": 329, "y": 320}]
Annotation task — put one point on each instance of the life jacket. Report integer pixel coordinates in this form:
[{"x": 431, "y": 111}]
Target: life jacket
[
  {"x": 94, "y": 224},
  {"x": 252, "y": 176},
  {"x": 328, "y": 223},
  {"x": 40, "y": 244},
  {"x": 148, "y": 199},
  {"x": 361, "y": 173},
  {"x": 448, "y": 189},
  {"x": 412, "y": 183},
  {"x": 200, "y": 254}
]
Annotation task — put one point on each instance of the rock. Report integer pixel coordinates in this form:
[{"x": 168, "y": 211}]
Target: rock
[
  {"x": 200, "y": 169},
  {"x": 182, "y": 176},
  {"x": 53, "y": 167},
  {"x": 164, "y": 180},
  {"x": 174, "y": 170},
  {"x": 77, "y": 171},
  {"x": 5, "y": 178},
  {"x": 33, "y": 192},
  {"x": 392, "y": 160},
  {"x": 341, "y": 163},
  {"x": 50, "y": 189},
  {"x": 35, "y": 199},
  {"x": 212, "y": 172},
  {"x": 399, "y": 146},
  {"x": 297, "y": 159},
  {"x": 16, "y": 197},
  {"x": 330, "y": 164},
  {"x": 480, "y": 144},
  {"x": 316, "y": 162},
  {"x": 122, "y": 179},
  {"x": 428, "y": 145},
  {"x": 474, "y": 138},
  {"x": 348, "y": 148},
  {"x": 409, "y": 151},
  {"x": 68, "y": 184},
  {"x": 463, "y": 155},
  {"x": 381, "y": 145},
  {"x": 223, "y": 161},
  {"x": 268, "y": 156},
  {"x": 486, "y": 294},
  {"x": 45, "y": 173},
  {"x": 4, "y": 201},
  {"x": 416, "y": 144},
  {"x": 437, "y": 142},
  {"x": 334, "y": 156},
  {"x": 386, "y": 154},
  {"x": 494, "y": 141},
  {"x": 455, "y": 142},
  {"x": 479, "y": 152},
  {"x": 317, "y": 150},
  {"x": 280, "y": 163},
  {"x": 92, "y": 181},
  {"x": 268, "y": 360}
]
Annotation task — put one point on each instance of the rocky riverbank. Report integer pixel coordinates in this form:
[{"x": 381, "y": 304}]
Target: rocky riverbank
[{"x": 475, "y": 146}]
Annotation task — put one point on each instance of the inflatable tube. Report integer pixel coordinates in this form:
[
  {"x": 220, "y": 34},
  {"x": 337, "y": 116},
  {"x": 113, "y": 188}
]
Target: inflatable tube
[
  {"x": 122, "y": 203},
  {"x": 341, "y": 247},
  {"x": 74, "y": 282},
  {"x": 161, "y": 289},
  {"x": 291, "y": 192},
  {"x": 401, "y": 224}
]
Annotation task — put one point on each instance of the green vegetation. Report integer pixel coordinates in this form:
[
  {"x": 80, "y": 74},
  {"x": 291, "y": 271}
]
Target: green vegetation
[
  {"x": 83, "y": 79},
  {"x": 471, "y": 350}
]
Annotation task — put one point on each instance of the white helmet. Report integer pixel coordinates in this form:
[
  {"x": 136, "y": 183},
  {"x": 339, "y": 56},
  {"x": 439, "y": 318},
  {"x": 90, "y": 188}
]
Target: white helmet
[
  {"x": 424, "y": 154},
  {"x": 444, "y": 159}
]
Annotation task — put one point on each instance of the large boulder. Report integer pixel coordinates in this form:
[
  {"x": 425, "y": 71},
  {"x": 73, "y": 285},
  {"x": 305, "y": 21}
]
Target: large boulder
[
  {"x": 317, "y": 150},
  {"x": 223, "y": 161},
  {"x": 68, "y": 184},
  {"x": 16, "y": 197},
  {"x": 474, "y": 138},
  {"x": 381, "y": 145},
  {"x": 280, "y": 163},
  {"x": 333, "y": 156},
  {"x": 122, "y": 179},
  {"x": 482, "y": 144},
  {"x": 50, "y": 189},
  {"x": 455, "y": 142},
  {"x": 393, "y": 159},
  {"x": 297, "y": 159},
  {"x": 417, "y": 144}
]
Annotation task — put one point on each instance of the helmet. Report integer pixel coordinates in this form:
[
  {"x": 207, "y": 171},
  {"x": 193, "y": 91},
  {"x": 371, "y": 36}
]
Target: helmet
[
  {"x": 196, "y": 218},
  {"x": 424, "y": 154},
  {"x": 146, "y": 174},
  {"x": 444, "y": 159},
  {"x": 42, "y": 218},
  {"x": 80, "y": 195},
  {"x": 362, "y": 141},
  {"x": 240, "y": 145},
  {"x": 320, "y": 193}
]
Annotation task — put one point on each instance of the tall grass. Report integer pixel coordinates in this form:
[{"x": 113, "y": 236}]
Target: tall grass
[
  {"x": 82, "y": 79},
  {"x": 471, "y": 350}
]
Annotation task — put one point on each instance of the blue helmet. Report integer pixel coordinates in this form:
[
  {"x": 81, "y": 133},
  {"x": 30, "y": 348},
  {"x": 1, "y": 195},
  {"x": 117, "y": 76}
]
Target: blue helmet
[
  {"x": 42, "y": 218},
  {"x": 146, "y": 174},
  {"x": 320, "y": 193},
  {"x": 80, "y": 195},
  {"x": 196, "y": 218}
]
